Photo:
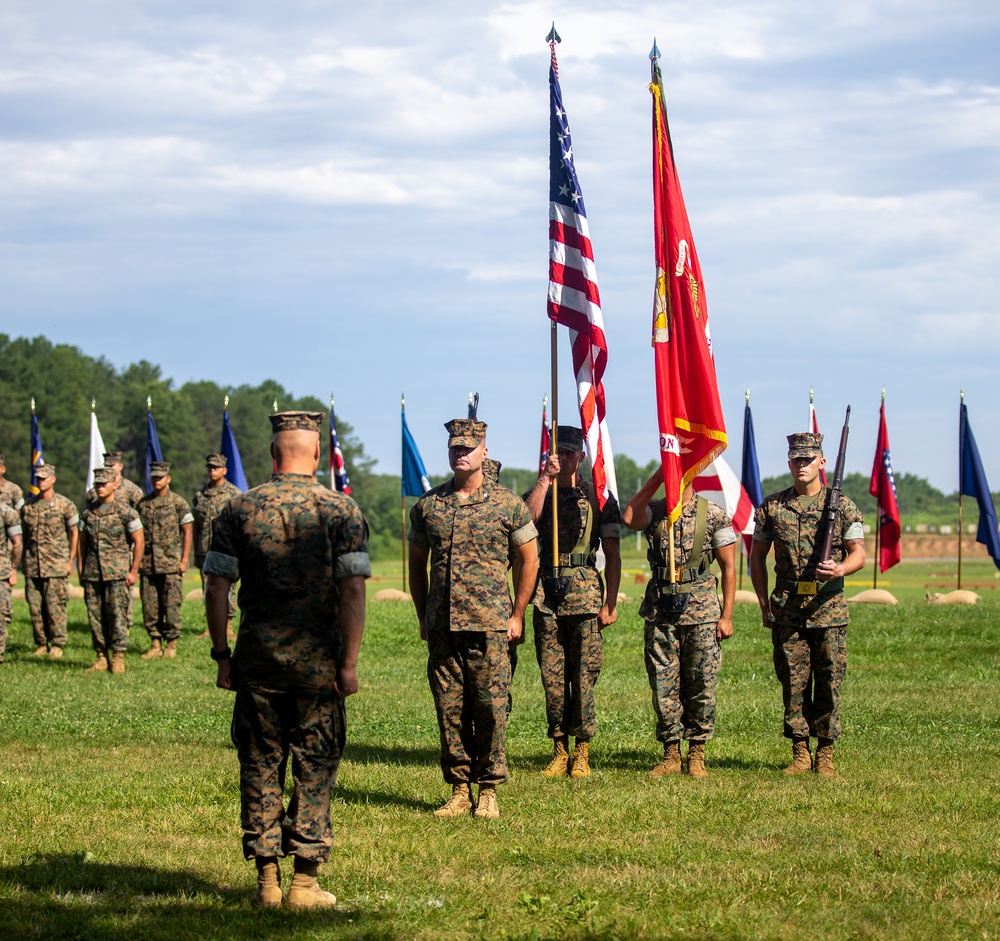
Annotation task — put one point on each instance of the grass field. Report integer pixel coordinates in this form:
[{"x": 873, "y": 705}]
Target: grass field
[{"x": 119, "y": 802}]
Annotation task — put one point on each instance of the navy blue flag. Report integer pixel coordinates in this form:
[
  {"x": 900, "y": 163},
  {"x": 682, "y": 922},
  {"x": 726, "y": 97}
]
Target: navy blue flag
[
  {"x": 37, "y": 458},
  {"x": 972, "y": 482},
  {"x": 750, "y": 477},
  {"x": 415, "y": 482},
  {"x": 229, "y": 450},
  {"x": 153, "y": 452}
]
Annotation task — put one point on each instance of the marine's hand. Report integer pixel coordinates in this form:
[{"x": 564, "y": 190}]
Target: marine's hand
[
  {"x": 605, "y": 617},
  {"x": 423, "y": 631},
  {"x": 767, "y": 619},
  {"x": 183, "y": 566},
  {"x": 131, "y": 578},
  {"x": 552, "y": 466},
  {"x": 724, "y": 628},
  {"x": 224, "y": 676},
  {"x": 829, "y": 569},
  {"x": 346, "y": 683},
  {"x": 12, "y": 578},
  {"x": 515, "y": 629}
]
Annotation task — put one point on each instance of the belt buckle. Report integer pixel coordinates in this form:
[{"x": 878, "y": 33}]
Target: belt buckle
[{"x": 806, "y": 588}]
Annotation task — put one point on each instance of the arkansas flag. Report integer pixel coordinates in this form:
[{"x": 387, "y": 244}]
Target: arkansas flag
[
  {"x": 692, "y": 429},
  {"x": 718, "y": 484},
  {"x": 883, "y": 489}
]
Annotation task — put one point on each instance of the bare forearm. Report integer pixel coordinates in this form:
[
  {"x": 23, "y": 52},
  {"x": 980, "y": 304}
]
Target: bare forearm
[
  {"x": 612, "y": 571},
  {"x": 217, "y": 609},
  {"x": 727, "y": 578},
  {"x": 351, "y": 612},
  {"x": 417, "y": 565},
  {"x": 527, "y": 576},
  {"x": 536, "y": 499},
  {"x": 634, "y": 514}
]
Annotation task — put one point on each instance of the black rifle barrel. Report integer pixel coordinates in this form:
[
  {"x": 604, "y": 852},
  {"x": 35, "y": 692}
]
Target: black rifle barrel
[{"x": 833, "y": 504}]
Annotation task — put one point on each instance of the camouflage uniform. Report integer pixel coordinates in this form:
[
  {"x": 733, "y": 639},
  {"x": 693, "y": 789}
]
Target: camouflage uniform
[
  {"x": 468, "y": 606},
  {"x": 106, "y": 565},
  {"x": 10, "y": 495},
  {"x": 11, "y": 524},
  {"x": 682, "y": 651},
  {"x": 289, "y": 542},
  {"x": 809, "y": 633},
  {"x": 205, "y": 507},
  {"x": 127, "y": 493},
  {"x": 161, "y": 582},
  {"x": 568, "y": 643},
  {"x": 46, "y": 524}
]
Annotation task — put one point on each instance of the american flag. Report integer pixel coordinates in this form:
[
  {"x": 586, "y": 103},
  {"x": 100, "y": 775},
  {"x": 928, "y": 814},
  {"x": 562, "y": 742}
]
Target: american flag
[
  {"x": 338, "y": 470},
  {"x": 814, "y": 428},
  {"x": 574, "y": 300}
]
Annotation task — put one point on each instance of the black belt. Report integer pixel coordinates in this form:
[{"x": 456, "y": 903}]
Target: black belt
[
  {"x": 572, "y": 559},
  {"x": 832, "y": 587}
]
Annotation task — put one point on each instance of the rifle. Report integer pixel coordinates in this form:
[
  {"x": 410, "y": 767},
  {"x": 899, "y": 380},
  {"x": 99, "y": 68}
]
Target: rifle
[{"x": 833, "y": 503}]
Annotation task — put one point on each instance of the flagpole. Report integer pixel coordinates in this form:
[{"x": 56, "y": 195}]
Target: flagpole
[
  {"x": 554, "y": 438},
  {"x": 878, "y": 525},
  {"x": 961, "y": 397},
  {"x": 743, "y": 546}
]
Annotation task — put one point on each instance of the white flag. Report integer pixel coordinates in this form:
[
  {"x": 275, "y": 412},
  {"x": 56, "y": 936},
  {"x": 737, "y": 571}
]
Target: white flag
[{"x": 96, "y": 450}]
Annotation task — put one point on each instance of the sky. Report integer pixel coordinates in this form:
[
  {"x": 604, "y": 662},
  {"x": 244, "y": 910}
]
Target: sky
[{"x": 353, "y": 199}]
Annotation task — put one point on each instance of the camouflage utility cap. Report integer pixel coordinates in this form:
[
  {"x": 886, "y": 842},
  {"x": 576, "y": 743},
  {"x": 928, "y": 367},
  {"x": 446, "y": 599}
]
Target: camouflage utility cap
[
  {"x": 44, "y": 470},
  {"x": 569, "y": 438},
  {"x": 465, "y": 432},
  {"x": 295, "y": 421},
  {"x": 112, "y": 457},
  {"x": 805, "y": 444},
  {"x": 104, "y": 475},
  {"x": 216, "y": 460},
  {"x": 159, "y": 469}
]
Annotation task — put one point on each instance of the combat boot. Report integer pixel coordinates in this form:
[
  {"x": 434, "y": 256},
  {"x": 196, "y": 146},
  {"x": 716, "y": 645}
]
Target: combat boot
[
  {"x": 100, "y": 665},
  {"x": 40, "y": 651},
  {"x": 696, "y": 760},
  {"x": 268, "y": 883},
  {"x": 560, "y": 759},
  {"x": 801, "y": 758},
  {"x": 824, "y": 758},
  {"x": 581, "y": 760},
  {"x": 459, "y": 804},
  {"x": 118, "y": 662},
  {"x": 486, "y": 806},
  {"x": 304, "y": 892},
  {"x": 155, "y": 650},
  {"x": 671, "y": 763},
  {"x": 170, "y": 651},
  {"x": 56, "y": 652}
]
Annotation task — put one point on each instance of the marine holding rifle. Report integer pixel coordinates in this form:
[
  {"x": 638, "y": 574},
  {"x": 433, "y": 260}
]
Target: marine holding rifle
[{"x": 807, "y": 611}]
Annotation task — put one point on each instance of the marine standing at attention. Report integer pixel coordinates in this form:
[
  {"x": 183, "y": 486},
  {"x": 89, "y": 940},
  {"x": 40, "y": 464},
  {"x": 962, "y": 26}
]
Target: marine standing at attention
[
  {"x": 300, "y": 553},
  {"x": 468, "y": 529},
  {"x": 807, "y": 611},
  {"x": 205, "y": 507},
  {"x": 568, "y": 625},
  {"x": 682, "y": 638},
  {"x": 49, "y": 522},
  {"x": 10, "y": 559},
  {"x": 10, "y": 493}
]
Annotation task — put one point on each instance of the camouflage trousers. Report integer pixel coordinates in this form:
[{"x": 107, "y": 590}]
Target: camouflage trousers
[
  {"x": 267, "y": 729},
  {"x": 570, "y": 653},
  {"x": 47, "y": 599},
  {"x": 107, "y": 607},
  {"x": 6, "y": 614},
  {"x": 811, "y": 664},
  {"x": 469, "y": 674},
  {"x": 232, "y": 595},
  {"x": 161, "y": 604},
  {"x": 682, "y": 663}
]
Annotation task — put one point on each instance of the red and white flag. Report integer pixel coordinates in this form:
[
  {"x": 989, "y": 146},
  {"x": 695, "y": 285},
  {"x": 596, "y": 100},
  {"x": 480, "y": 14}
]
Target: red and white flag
[
  {"x": 814, "y": 428},
  {"x": 883, "y": 489},
  {"x": 722, "y": 487},
  {"x": 691, "y": 425},
  {"x": 574, "y": 300}
]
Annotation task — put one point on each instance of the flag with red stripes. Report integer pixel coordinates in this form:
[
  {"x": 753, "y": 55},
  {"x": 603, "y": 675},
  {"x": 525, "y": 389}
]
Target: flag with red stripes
[
  {"x": 545, "y": 445},
  {"x": 718, "y": 484},
  {"x": 574, "y": 300},
  {"x": 338, "y": 469},
  {"x": 814, "y": 428}
]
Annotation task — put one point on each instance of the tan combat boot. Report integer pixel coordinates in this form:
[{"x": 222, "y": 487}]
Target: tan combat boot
[
  {"x": 801, "y": 758},
  {"x": 560, "y": 759},
  {"x": 696, "y": 760},
  {"x": 170, "y": 651},
  {"x": 118, "y": 662},
  {"x": 824, "y": 758},
  {"x": 671, "y": 763},
  {"x": 155, "y": 650},
  {"x": 56, "y": 652},
  {"x": 268, "y": 883},
  {"x": 40, "y": 651},
  {"x": 459, "y": 804},
  {"x": 100, "y": 665},
  {"x": 486, "y": 806},
  {"x": 304, "y": 892},
  {"x": 581, "y": 760}
]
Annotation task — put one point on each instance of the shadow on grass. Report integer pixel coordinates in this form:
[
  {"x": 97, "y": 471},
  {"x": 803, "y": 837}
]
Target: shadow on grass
[
  {"x": 69, "y": 896},
  {"x": 380, "y": 799},
  {"x": 366, "y": 753}
]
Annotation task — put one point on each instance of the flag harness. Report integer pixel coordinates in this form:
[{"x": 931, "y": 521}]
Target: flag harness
[{"x": 675, "y": 592}]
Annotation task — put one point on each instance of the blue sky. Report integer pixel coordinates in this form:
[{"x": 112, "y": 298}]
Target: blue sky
[{"x": 353, "y": 198}]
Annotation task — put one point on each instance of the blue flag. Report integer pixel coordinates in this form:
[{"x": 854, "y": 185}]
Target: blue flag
[
  {"x": 229, "y": 450},
  {"x": 972, "y": 482},
  {"x": 750, "y": 477},
  {"x": 415, "y": 482},
  {"x": 37, "y": 458},
  {"x": 153, "y": 452}
]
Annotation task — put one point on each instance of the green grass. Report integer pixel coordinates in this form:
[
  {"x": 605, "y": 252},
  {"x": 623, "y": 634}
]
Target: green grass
[{"x": 119, "y": 802}]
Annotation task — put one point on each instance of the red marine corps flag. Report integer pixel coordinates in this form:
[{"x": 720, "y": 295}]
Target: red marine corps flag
[
  {"x": 692, "y": 429},
  {"x": 883, "y": 488}
]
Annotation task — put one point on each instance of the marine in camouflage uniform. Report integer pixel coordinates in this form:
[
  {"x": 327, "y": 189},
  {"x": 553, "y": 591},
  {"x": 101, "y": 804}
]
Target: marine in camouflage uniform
[
  {"x": 468, "y": 529},
  {"x": 49, "y": 523},
  {"x": 10, "y": 559},
  {"x": 10, "y": 495},
  {"x": 205, "y": 507},
  {"x": 568, "y": 642},
  {"x": 682, "y": 647},
  {"x": 109, "y": 567},
  {"x": 807, "y": 611},
  {"x": 167, "y": 524},
  {"x": 300, "y": 553}
]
